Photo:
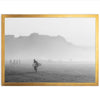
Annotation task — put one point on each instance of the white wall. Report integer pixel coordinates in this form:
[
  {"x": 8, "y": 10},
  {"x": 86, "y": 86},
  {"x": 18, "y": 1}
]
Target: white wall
[{"x": 49, "y": 7}]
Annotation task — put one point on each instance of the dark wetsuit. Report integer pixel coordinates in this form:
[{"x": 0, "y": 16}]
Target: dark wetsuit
[{"x": 36, "y": 65}]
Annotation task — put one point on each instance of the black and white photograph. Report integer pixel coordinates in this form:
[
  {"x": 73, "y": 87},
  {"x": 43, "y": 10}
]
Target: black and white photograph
[{"x": 50, "y": 49}]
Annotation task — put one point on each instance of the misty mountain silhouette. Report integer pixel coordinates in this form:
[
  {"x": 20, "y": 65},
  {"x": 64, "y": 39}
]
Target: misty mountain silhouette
[{"x": 41, "y": 46}]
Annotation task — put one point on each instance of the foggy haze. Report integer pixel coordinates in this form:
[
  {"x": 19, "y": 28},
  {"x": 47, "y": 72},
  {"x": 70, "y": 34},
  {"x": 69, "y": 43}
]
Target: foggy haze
[
  {"x": 46, "y": 47},
  {"x": 79, "y": 31}
]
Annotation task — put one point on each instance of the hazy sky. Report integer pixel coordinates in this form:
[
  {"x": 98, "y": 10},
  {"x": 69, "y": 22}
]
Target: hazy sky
[{"x": 79, "y": 31}]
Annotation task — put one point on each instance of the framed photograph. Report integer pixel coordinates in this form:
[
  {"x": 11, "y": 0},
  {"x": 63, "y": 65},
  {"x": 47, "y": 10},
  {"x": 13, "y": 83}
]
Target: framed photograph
[{"x": 50, "y": 50}]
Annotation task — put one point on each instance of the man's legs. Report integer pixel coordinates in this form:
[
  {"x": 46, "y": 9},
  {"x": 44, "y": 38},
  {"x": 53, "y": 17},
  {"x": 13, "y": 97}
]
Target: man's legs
[{"x": 35, "y": 68}]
